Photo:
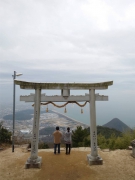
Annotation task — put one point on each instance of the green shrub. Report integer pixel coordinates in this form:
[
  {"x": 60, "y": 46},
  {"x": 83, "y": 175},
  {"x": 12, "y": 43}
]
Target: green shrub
[
  {"x": 5, "y": 135},
  {"x": 43, "y": 145}
]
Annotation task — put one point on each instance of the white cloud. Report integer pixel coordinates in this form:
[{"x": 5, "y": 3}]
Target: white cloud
[
  {"x": 78, "y": 36},
  {"x": 70, "y": 41},
  {"x": 98, "y": 11}
]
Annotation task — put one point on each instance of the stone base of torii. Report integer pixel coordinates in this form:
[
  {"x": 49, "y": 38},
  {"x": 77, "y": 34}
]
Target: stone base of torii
[{"x": 93, "y": 158}]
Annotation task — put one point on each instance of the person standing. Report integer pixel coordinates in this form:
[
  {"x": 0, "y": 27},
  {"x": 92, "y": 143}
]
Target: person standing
[
  {"x": 68, "y": 140},
  {"x": 57, "y": 140}
]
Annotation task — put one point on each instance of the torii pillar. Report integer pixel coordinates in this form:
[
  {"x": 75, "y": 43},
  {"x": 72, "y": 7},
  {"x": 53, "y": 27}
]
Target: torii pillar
[
  {"x": 34, "y": 160},
  {"x": 93, "y": 158}
]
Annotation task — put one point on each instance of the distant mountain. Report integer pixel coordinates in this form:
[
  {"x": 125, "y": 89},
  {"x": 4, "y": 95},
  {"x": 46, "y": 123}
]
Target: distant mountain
[
  {"x": 47, "y": 130},
  {"x": 118, "y": 125},
  {"x": 23, "y": 115}
]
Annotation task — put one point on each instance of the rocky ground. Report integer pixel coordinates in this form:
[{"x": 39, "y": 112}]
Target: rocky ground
[{"x": 117, "y": 165}]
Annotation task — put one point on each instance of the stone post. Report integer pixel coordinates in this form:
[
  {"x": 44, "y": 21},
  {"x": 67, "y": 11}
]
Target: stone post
[
  {"x": 133, "y": 148},
  {"x": 34, "y": 160},
  {"x": 93, "y": 158}
]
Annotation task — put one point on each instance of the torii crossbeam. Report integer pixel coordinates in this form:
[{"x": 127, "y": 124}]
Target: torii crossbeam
[{"x": 37, "y": 98}]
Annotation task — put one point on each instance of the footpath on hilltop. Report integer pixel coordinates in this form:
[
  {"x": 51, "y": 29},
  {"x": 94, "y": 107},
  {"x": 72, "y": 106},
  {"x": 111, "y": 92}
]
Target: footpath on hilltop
[{"x": 118, "y": 164}]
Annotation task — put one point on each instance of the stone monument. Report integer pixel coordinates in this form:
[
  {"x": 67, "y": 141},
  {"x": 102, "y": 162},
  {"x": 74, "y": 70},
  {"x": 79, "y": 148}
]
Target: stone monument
[{"x": 133, "y": 148}]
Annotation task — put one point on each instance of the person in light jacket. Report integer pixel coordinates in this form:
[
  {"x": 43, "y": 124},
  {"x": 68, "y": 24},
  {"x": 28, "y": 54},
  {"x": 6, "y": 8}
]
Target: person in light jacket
[{"x": 68, "y": 140}]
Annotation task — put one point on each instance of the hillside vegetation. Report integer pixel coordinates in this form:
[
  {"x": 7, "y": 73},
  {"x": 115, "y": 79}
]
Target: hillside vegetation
[
  {"x": 107, "y": 138},
  {"x": 5, "y": 135}
]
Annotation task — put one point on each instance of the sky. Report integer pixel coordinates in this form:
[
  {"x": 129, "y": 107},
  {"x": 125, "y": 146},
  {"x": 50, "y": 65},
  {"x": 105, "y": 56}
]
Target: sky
[{"x": 71, "y": 41}]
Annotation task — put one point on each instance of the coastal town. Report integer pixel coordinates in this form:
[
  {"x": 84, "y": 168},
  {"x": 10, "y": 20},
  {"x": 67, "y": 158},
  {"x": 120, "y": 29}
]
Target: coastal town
[{"x": 48, "y": 122}]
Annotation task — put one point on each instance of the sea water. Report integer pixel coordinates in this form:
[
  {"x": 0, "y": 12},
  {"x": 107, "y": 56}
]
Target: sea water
[{"x": 74, "y": 112}]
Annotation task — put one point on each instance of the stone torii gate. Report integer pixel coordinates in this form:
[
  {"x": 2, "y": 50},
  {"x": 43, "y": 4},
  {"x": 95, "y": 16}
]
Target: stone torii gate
[{"x": 93, "y": 158}]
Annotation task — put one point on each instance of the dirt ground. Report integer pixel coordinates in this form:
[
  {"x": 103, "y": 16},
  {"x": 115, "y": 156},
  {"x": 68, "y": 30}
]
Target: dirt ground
[{"x": 117, "y": 165}]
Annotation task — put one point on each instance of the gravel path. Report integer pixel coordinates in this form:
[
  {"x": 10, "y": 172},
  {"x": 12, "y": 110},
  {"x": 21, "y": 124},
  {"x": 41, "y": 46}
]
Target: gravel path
[{"x": 117, "y": 165}]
